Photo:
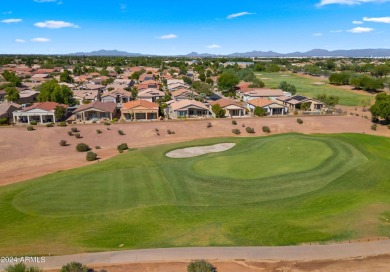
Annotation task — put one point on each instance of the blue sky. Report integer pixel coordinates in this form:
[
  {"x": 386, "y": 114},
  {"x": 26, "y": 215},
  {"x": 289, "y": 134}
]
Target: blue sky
[{"x": 179, "y": 27}]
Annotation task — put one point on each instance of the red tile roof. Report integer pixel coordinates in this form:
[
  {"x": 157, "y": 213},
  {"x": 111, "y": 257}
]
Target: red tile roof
[
  {"x": 47, "y": 106},
  {"x": 140, "y": 102}
]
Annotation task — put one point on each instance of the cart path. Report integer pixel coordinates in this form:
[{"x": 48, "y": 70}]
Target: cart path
[{"x": 286, "y": 253}]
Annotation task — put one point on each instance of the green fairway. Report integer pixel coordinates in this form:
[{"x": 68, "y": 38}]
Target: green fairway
[
  {"x": 276, "y": 190},
  {"x": 307, "y": 87}
]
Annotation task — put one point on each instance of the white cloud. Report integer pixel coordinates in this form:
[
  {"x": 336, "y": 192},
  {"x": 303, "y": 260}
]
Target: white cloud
[
  {"x": 235, "y": 15},
  {"x": 349, "y": 2},
  {"x": 168, "y": 37},
  {"x": 40, "y": 40},
  {"x": 20, "y": 41},
  {"x": 7, "y": 12},
  {"x": 385, "y": 20},
  {"x": 357, "y": 22},
  {"x": 10, "y": 21},
  {"x": 336, "y": 31},
  {"x": 317, "y": 34},
  {"x": 55, "y": 24},
  {"x": 360, "y": 30},
  {"x": 214, "y": 46}
]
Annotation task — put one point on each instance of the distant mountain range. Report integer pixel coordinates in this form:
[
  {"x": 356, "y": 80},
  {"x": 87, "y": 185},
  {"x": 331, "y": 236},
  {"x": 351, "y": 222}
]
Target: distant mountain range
[{"x": 353, "y": 53}]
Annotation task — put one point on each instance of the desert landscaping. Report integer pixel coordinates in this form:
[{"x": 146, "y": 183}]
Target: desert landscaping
[{"x": 29, "y": 154}]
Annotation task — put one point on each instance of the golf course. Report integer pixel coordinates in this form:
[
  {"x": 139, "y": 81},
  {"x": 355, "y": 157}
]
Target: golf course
[
  {"x": 312, "y": 87},
  {"x": 283, "y": 189}
]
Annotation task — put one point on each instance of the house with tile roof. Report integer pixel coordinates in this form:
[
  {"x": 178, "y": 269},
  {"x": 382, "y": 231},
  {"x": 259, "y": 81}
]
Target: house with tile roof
[
  {"x": 43, "y": 112},
  {"x": 140, "y": 110},
  {"x": 7, "y": 108},
  {"x": 183, "y": 94},
  {"x": 252, "y": 93},
  {"x": 270, "y": 106},
  {"x": 300, "y": 102},
  {"x": 95, "y": 111},
  {"x": 231, "y": 107},
  {"x": 150, "y": 94},
  {"x": 187, "y": 109}
]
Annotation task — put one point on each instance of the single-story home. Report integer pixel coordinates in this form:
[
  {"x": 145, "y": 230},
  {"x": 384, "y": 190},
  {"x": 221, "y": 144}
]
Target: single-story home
[
  {"x": 118, "y": 97},
  {"x": 87, "y": 96},
  {"x": 299, "y": 102},
  {"x": 27, "y": 97},
  {"x": 140, "y": 110},
  {"x": 148, "y": 84},
  {"x": 252, "y": 93},
  {"x": 43, "y": 112},
  {"x": 38, "y": 78},
  {"x": 183, "y": 94},
  {"x": 95, "y": 111},
  {"x": 187, "y": 109},
  {"x": 150, "y": 94},
  {"x": 7, "y": 108},
  {"x": 271, "y": 107},
  {"x": 232, "y": 108}
]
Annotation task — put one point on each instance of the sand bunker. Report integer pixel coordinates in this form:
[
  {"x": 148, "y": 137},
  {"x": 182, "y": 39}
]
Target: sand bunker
[{"x": 199, "y": 150}]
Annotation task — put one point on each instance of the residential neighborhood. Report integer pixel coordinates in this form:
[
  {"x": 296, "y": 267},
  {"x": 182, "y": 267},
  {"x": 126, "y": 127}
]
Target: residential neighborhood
[{"x": 141, "y": 93}]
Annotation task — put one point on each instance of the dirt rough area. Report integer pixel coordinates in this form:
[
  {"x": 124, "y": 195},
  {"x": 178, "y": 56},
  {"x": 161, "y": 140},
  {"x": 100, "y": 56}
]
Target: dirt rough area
[
  {"x": 29, "y": 154},
  {"x": 372, "y": 264}
]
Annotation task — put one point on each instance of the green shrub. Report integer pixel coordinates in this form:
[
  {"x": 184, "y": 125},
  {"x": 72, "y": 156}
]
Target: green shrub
[
  {"x": 98, "y": 131},
  {"x": 63, "y": 143},
  {"x": 295, "y": 112},
  {"x": 388, "y": 126},
  {"x": 62, "y": 124},
  {"x": 259, "y": 111},
  {"x": 106, "y": 123},
  {"x": 4, "y": 121},
  {"x": 70, "y": 133},
  {"x": 77, "y": 135},
  {"x": 91, "y": 156},
  {"x": 30, "y": 128},
  {"x": 120, "y": 132},
  {"x": 21, "y": 267},
  {"x": 170, "y": 132},
  {"x": 236, "y": 131},
  {"x": 201, "y": 266},
  {"x": 81, "y": 147},
  {"x": 33, "y": 123},
  {"x": 50, "y": 125},
  {"x": 266, "y": 129},
  {"x": 373, "y": 126},
  {"x": 115, "y": 119},
  {"x": 299, "y": 121},
  {"x": 74, "y": 267},
  {"x": 98, "y": 147},
  {"x": 74, "y": 129},
  {"x": 250, "y": 130},
  {"x": 209, "y": 125},
  {"x": 234, "y": 122},
  {"x": 122, "y": 147}
]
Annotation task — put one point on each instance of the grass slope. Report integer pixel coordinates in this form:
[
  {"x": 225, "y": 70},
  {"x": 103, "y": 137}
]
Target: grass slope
[
  {"x": 338, "y": 188},
  {"x": 307, "y": 87}
]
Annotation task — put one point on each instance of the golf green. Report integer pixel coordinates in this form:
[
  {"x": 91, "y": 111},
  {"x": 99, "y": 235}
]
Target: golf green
[{"x": 275, "y": 190}]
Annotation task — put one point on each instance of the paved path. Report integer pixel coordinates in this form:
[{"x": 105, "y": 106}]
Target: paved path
[{"x": 288, "y": 253}]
